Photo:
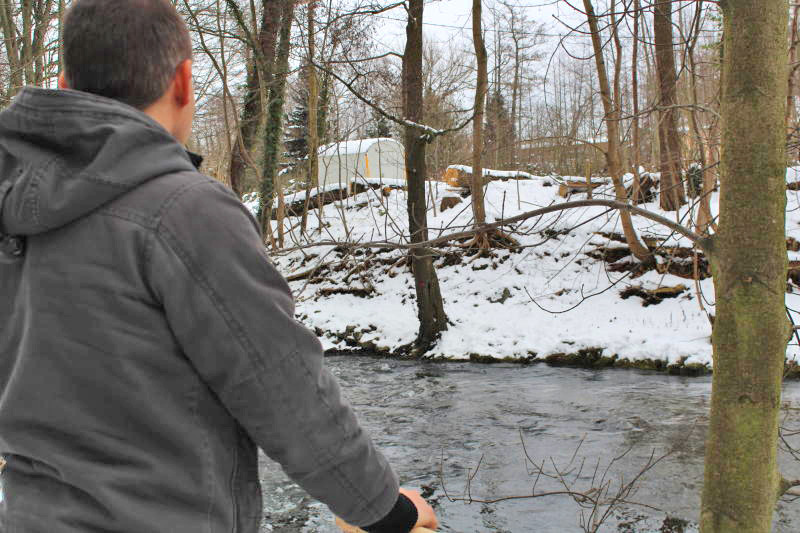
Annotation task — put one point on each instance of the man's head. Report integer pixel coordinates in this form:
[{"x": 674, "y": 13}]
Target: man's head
[{"x": 135, "y": 51}]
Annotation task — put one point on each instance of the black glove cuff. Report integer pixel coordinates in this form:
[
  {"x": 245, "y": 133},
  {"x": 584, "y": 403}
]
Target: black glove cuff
[{"x": 401, "y": 519}]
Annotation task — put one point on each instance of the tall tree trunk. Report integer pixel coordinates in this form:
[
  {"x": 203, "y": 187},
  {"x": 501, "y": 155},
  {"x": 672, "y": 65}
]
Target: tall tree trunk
[
  {"x": 704, "y": 215},
  {"x": 430, "y": 308},
  {"x": 672, "y": 193},
  {"x": 481, "y": 88},
  {"x": 251, "y": 113},
  {"x": 637, "y": 158},
  {"x": 27, "y": 39},
  {"x": 612, "y": 153},
  {"x": 60, "y": 35},
  {"x": 514, "y": 108},
  {"x": 749, "y": 263},
  {"x": 791, "y": 112},
  {"x": 324, "y": 103},
  {"x": 312, "y": 125},
  {"x": 273, "y": 128}
]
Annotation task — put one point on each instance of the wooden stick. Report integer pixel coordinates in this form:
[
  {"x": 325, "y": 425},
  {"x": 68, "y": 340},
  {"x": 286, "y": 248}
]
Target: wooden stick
[{"x": 347, "y": 528}]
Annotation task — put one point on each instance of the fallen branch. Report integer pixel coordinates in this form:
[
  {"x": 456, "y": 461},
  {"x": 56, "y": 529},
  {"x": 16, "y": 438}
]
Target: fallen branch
[{"x": 704, "y": 243}]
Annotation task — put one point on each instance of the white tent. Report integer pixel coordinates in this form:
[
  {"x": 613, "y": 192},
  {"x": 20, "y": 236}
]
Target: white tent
[{"x": 375, "y": 160}]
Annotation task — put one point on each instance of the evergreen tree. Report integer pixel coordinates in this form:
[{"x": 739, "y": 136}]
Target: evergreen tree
[
  {"x": 498, "y": 132},
  {"x": 296, "y": 135},
  {"x": 379, "y": 127}
]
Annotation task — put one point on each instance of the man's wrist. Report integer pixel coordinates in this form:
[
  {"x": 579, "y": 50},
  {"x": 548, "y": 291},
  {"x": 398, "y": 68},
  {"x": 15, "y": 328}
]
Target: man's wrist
[{"x": 401, "y": 519}]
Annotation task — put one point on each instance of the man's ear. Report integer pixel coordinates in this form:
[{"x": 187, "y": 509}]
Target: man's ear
[
  {"x": 62, "y": 81},
  {"x": 184, "y": 85}
]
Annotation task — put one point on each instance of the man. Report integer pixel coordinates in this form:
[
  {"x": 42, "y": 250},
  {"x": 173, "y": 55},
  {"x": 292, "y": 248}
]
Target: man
[{"x": 148, "y": 346}]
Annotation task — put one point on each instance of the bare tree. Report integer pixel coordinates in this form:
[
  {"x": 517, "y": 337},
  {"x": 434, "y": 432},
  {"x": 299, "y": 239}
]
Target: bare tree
[
  {"x": 481, "y": 89},
  {"x": 611, "y": 106},
  {"x": 672, "y": 192},
  {"x": 30, "y": 42},
  {"x": 430, "y": 308}
]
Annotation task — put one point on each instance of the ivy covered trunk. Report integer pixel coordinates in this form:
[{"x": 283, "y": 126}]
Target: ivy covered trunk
[
  {"x": 259, "y": 79},
  {"x": 430, "y": 308},
  {"x": 742, "y": 482},
  {"x": 273, "y": 129}
]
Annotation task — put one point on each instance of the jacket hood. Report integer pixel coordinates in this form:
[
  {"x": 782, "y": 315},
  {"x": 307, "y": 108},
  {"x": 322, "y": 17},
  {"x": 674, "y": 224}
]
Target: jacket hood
[{"x": 65, "y": 153}]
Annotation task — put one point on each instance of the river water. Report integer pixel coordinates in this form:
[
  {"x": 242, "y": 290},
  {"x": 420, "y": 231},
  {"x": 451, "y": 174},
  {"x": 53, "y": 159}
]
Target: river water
[{"x": 463, "y": 425}]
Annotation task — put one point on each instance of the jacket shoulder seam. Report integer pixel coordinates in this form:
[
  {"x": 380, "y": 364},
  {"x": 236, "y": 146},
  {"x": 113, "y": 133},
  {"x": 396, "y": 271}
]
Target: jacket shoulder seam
[
  {"x": 128, "y": 215},
  {"x": 230, "y": 321},
  {"x": 177, "y": 194}
]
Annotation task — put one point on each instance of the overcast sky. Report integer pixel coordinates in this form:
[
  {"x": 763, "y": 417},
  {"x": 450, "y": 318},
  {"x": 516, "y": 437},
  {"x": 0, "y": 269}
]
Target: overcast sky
[{"x": 449, "y": 21}]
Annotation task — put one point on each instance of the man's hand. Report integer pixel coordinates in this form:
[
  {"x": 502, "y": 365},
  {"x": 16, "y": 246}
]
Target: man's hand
[{"x": 427, "y": 518}]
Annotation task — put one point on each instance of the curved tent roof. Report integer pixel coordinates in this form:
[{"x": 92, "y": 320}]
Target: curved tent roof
[{"x": 352, "y": 147}]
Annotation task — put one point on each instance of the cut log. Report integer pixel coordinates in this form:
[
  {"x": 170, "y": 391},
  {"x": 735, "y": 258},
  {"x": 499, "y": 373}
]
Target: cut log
[
  {"x": 653, "y": 296},
  {"x": 793, "y": 273},
  {"x": 455, "y": 177},
  {"x": 571, "y": 187},
  {"x": 449, "y": 202}
]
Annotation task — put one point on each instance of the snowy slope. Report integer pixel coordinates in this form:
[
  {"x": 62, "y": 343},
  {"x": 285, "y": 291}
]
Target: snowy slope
[{"x": 549, "y": 298}]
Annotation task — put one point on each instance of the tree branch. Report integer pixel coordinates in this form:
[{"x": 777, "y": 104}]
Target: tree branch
[{"x": 704, "y": 243}]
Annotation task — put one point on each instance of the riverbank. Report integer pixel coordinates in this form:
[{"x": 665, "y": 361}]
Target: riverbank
[{"x": 570, "y": 295}]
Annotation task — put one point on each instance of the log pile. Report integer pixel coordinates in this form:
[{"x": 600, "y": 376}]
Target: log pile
[{"x": 456, "y": 176}]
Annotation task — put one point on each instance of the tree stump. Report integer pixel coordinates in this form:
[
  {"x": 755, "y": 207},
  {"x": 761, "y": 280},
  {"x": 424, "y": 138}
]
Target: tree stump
[
  {"x": 647, "y": 190},
  {"x": 449, "y": 202}
]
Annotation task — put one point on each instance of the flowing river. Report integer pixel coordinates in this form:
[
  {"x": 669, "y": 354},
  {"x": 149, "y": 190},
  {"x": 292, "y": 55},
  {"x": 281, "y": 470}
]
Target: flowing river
[{"x": 463, "y": 425}]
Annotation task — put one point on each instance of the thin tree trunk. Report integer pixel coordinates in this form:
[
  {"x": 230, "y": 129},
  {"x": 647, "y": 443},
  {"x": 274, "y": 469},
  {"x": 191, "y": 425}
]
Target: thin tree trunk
[
  {"x": 324, "y": 103},
  {"x": 637, "y": 179},
  {"x": 312, "y": 126},
  {"x": 611, "y": 119},
  {"x": 430, "y": 308},
  {"x": 27, "y": 39},
  {"x": 672, "y": 193},
  {"x": 61, "y": 36},
  {"x": 226, "y": 91},
  {"x": 749, "y": 262},
  {"x": 704, "y": 216},
  {"x": 514, "y": 108},
  {"x": 478, "y": 207}
]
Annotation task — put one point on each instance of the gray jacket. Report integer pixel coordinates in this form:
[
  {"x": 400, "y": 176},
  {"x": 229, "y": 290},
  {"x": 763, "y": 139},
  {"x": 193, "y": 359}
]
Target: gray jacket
[{"x": 147, "y": 344}]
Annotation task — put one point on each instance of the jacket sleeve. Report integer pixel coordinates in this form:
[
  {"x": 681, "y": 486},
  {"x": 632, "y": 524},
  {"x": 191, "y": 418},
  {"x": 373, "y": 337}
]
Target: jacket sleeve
[{"x": 233, "y": 314}]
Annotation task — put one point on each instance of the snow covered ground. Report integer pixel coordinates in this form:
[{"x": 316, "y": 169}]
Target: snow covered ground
[{"x": 549, "y": 298}]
